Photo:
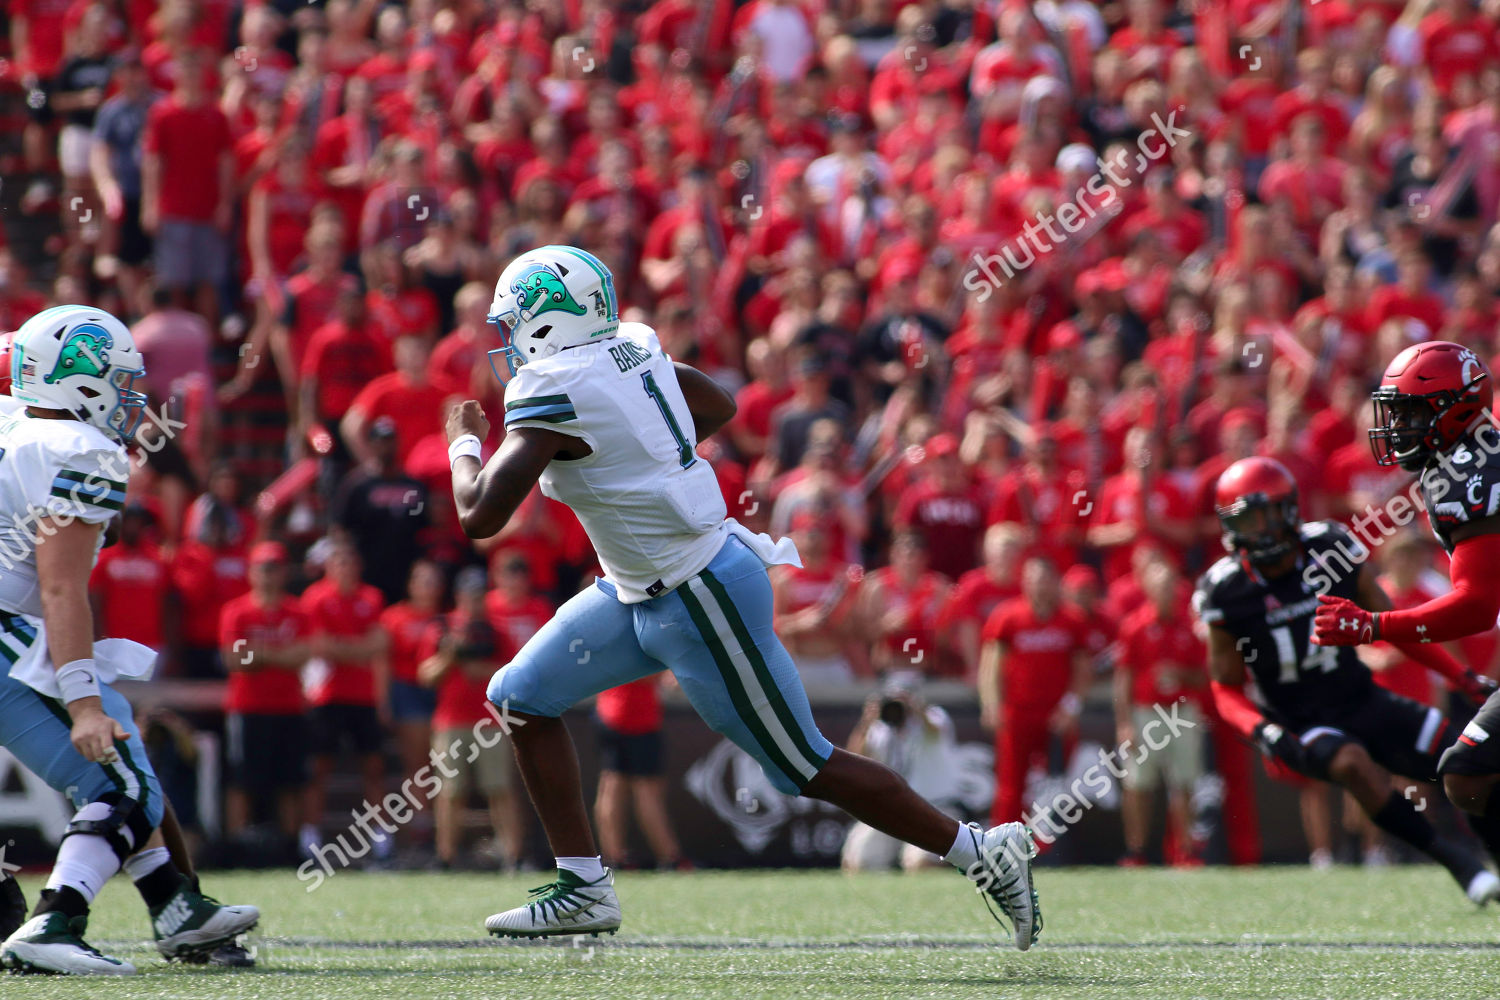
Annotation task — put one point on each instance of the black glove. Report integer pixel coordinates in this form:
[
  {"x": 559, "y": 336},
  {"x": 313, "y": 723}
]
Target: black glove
[{"x": 1282, "y": 744}]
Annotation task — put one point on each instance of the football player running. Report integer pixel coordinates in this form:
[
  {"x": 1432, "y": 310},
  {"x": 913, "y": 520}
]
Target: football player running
[
  {"x": 1317, "y": 710},
  {"x": 63, "y": 471},
  {"x": 608, "y": 424},
  {"x": 1433, "y": 411}
]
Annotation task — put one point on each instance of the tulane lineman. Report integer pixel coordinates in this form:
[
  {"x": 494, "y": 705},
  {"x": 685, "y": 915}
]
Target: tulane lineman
[{"x": 63, "y": 471}]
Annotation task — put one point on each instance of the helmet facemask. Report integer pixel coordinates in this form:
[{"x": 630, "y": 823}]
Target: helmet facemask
[
  {"x": 1263, "y": 529},
  {"x": 1407, "y": 429}
]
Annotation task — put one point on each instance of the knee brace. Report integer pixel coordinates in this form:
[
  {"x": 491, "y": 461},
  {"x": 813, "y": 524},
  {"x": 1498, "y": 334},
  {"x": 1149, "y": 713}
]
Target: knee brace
[{"x": 116, "y": 818}]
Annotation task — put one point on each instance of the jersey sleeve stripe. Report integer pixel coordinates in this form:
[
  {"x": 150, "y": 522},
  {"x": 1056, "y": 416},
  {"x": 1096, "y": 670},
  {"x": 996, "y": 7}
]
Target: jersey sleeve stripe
[
  {"x": 93, "y": 479},
  {"x": 556, "y": 414},
  {"x": 80, "y": 493},
  {"x": 530, "y": 401}
]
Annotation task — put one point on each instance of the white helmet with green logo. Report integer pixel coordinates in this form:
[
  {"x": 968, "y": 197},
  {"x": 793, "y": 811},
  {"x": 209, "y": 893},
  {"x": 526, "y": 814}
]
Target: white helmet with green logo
[
  {"x": 83, "y": 361},
  {"x": 550, "y": 299}
]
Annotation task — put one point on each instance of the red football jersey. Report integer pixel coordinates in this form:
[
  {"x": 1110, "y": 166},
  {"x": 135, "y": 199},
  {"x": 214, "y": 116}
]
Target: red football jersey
[{"x": 1039, "y": 654}]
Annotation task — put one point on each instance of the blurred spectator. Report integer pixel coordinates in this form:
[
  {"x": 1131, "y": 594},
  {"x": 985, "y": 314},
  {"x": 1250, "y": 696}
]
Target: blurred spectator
[
  {"x": 405, "y": 396},
  {"x": 945, "y": 507},
  {"x": 459, "y": 657},
  {"x": 628, "y": 721},
  {"x": 1160, "y": 667},
  {"x": 382, "y": 511},
  {"x": 1033, "y": 672},
  {"x": 917, "y": 741},
  {"x": 514, "y": 607},
  {"x": 347, "y": 689},
  {"x": 187, "y": 187},
  {"x": 815, "y": 607},
  {"x": 130, "y": 584},
  {"x": 208, "y": 571},
  {"x": 899, "y": 607},
  {"x": 263, "y": 642},
  {"x": 980, "y": 591},
  {"x": 407, "y": 624}
]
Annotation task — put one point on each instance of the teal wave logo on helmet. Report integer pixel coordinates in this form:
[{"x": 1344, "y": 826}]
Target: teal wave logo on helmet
[
  {"x": 84, "y": 352},
  {"x": 542, "y": 290}
]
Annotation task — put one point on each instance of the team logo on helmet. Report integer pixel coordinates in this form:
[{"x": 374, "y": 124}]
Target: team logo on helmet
[
  {"x": 540, "y": 289},
  {"x": 83, "y": 353}
]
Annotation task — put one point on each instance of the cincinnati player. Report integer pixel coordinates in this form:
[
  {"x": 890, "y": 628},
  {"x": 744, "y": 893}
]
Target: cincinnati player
[
  {"x": 1314, "y": 708},
  {"x": 1433, "y": 412}
]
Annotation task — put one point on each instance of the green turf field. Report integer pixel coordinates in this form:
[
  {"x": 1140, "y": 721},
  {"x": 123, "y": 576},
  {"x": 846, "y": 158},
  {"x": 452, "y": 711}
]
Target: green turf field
[{"x": 1287, "y": 932}]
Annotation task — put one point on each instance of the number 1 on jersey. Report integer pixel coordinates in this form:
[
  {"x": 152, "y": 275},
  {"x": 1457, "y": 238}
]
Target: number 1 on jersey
[{"x": 685, "y": 454}]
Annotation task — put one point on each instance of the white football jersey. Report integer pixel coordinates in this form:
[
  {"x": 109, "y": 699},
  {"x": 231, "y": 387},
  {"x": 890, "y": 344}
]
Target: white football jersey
[
  {"x": 64, "y": 468},
  {"x": 650, "y": 505}
]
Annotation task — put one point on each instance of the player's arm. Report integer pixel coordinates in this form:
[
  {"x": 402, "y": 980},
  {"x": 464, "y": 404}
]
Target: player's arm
[
  {"x": 64, "y": 556},
  {"x": 1226, "y": 672},
  {"x": 710, "y": 404},
  {"x": 487, "y": 497},
  {"x": 1470, "y": 607},
  {"x": 991, "y": 674},
  {"x": 1372, "y": 597}
]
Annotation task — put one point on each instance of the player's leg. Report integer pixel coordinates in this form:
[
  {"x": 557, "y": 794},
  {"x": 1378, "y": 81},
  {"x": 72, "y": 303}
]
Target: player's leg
[
  {"x": 1338, "y": 756},
  {"x": 590, "y": 645},
  {"x": 1469, "y": 764},
  {"x": 120, "y": 808},
  {"x": 715, "y": 632}
]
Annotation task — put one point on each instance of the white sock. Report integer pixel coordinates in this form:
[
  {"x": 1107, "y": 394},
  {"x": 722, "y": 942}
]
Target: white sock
[
  {"x": 965, "y": 850},
  {"x": 143, "y": 863},
  {"x": 84, "y": 863},
  {"x": 588, "y": 869}
]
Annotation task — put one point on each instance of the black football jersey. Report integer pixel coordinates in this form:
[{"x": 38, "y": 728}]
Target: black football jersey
[
  {"x": 1271, "y": 621},
  {"x": 1463, "y": 485}
]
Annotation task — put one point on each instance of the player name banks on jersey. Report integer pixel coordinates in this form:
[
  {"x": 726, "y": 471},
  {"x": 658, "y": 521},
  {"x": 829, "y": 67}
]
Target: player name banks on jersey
[{"x": 650, "y": 505}]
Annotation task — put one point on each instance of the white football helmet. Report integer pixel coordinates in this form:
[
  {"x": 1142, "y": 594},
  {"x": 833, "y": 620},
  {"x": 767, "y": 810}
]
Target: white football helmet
[
  {"x": 81, "y": 360},
  {"x": 550, "y": 299}
]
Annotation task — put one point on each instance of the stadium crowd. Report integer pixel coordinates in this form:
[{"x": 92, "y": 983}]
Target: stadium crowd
[{"x": 992, "y": 281}]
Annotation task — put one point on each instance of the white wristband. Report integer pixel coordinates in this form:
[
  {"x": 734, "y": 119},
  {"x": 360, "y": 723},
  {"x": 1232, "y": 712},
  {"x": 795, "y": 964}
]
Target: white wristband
[
  {"x": 466, "y": 445},
  {"x": 1071, "y": 703},
  {"x": 78, "y": 679}
]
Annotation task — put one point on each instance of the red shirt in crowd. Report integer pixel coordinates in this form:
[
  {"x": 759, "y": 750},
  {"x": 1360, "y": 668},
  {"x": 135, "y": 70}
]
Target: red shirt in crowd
[
  {"x": 206, "y": 579},
  {"x": 1149, "y": 642},
  {"x": 462, "y": 693},
  {"x": 416, "y": 409},
  {"x": 269, "y": 689},
  {"x": 406, "y": 628},
  {"x": 1038, "y": 668},
  {"x": 916, "y": 640},
  {"x": 132, "y": 583},
  {"x": 975, "y": 598},
  {"x": 632, "y": 709},
  {"x": 517, "y": 620},
  {"x": 952, "y": 524},
  {"x": 1123, "y": 499},
  {"x": 189, "y": 142},
  {"x": 338, "y": 615},
  {"x": 343, "y": 360}
]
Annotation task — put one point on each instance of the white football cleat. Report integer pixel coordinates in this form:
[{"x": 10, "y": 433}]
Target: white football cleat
[
  {"x": 52, "y": 943},
  {"x": 568, "y": 906},
  {"x": 1483, "y": 888},
  {"x": 1003, "y": 874}
]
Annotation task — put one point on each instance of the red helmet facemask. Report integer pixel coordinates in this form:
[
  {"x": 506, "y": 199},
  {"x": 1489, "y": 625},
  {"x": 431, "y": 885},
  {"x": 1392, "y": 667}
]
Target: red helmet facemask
[
  {"x": 1256, "y": 501},
  {"x": 1428, "y": 400}
]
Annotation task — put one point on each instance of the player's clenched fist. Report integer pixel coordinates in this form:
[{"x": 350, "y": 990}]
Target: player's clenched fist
[
  {"x": 94, "y": 734},
  {"x": 467, "y": 418},
  {"x": 1341, "y": 622}
]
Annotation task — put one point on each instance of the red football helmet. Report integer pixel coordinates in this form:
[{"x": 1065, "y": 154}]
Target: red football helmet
[
  {"x": 1256, "y": 500},
  {"x": 1429, "y": 398}
]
